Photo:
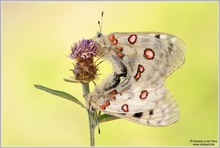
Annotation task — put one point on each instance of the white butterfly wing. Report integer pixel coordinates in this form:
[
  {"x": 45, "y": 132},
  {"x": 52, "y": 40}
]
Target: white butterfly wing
[
  {"x": 163, "y": 52},
  {"x": 140, "y": 96},
  {"x": 153, "y": 105}
]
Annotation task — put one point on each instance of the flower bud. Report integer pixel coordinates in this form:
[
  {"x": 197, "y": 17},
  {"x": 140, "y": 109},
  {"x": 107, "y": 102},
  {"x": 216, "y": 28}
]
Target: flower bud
[{"x": 85, "y": 69}]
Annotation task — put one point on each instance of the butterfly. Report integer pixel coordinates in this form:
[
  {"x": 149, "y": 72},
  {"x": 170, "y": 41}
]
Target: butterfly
[{"x": 136, "y": 90}]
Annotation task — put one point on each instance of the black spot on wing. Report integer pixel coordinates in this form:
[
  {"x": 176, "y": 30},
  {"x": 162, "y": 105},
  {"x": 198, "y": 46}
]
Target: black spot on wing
[
  {"x": 151, "y": 112},
  {"x": 157, "y": 36},
  {"x": 138, "y": 115}
]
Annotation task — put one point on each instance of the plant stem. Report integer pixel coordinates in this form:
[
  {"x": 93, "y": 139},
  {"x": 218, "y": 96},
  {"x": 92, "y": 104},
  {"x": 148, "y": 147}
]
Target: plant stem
[
  {"x": 91, "y": 114},
  {"x": 91, "y": 128}
]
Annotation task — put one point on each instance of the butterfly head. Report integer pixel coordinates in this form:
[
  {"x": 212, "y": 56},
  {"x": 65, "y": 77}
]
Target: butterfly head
[{"x": 99, "y": 35}]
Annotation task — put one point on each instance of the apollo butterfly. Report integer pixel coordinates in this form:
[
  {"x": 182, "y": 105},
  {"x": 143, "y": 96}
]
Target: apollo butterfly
[{"x": 136, "y": 90}]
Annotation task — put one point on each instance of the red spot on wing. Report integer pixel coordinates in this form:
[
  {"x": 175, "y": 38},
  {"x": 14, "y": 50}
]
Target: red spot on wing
[
  {"x": 141, "y": 68},
  {"x": 115, "y": 42},
  {"x": 149, "y": 54},
  {"x": 102, "y": 107},
  {"x": 107, "y": 103},
  {"x": 132, "y": 38},
  {"x": 125, "y": 108},
  {"x": 113, "y": 92},
  {"x": 113, "y": 98},
  {"x": 137, "y": 76},
  {"x": 111, "y": 37},
  {"x": 120, "y": 48},
  {"x": 143, "y": 94},
  {"x": 120, "y": 55}
]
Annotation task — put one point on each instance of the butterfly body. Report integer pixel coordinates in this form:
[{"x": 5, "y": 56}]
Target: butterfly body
[{"x": 136, "y": 91}]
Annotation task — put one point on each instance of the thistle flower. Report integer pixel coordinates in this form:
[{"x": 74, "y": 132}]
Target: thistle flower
[
  {"x": 84, "y": 52},
  {"x": 85, "y": 49}
]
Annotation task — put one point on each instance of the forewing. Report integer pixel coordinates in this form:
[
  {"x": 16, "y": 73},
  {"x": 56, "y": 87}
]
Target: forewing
[{"x": 158, "y": 52}]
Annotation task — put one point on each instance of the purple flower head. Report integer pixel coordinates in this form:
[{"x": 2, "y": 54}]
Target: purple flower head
[{"x": 85, "y": 49}]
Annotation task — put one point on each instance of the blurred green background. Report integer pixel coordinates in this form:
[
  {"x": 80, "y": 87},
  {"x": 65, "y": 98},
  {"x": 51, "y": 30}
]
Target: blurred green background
[{"x": 36, "y": 39}]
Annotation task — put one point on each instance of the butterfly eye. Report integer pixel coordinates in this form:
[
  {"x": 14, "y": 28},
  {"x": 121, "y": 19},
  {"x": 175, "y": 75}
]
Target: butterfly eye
[{"x": 99, "y": 34}]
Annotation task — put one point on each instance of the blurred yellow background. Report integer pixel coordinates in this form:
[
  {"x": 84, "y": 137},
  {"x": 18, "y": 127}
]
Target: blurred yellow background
[{"x": 36, "y": 39}]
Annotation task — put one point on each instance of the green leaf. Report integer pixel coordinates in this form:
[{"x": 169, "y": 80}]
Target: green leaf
[
  {"x": 71, "y": 81},
  {"x": 105, "y": 117},
  {"x": 60, "y": 94}
]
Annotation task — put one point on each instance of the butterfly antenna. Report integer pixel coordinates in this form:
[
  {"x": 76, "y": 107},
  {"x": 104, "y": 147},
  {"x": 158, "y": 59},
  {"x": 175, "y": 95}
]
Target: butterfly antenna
[
  {"x": 102, "y": 20},
  {"x": 100, "y": 28},
  {"x": 101, "y": 23}
]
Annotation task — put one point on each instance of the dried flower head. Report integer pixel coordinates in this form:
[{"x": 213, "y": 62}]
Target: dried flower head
[
  {"x": 85, "y": 69},
  {"x": 85, "y": 49}
]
